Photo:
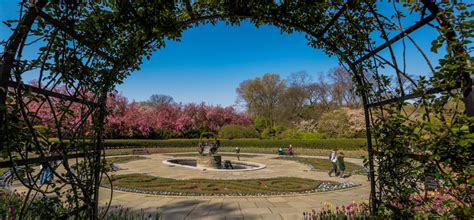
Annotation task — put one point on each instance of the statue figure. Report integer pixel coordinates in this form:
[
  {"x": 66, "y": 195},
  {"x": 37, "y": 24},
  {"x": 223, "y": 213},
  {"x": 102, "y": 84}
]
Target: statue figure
[
  {"x": 214, "y": 147},
  {"x": 200, "y": 148},
  {"x": 207, "y": 149},
  {"x": 208, "y": 144}
]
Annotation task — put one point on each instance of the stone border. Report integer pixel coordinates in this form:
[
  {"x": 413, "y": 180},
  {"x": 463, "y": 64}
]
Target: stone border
[
  {"x": 256, "y": 166},
  {"x": 323, "y": 187}
]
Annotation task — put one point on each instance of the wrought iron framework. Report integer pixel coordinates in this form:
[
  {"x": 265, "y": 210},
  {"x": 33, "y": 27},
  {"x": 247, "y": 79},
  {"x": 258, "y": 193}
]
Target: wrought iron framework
[{"x": 36, "y": 12}]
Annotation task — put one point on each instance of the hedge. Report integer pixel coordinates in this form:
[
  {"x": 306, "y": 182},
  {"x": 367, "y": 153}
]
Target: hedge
[{"x": 339, "y": 143}]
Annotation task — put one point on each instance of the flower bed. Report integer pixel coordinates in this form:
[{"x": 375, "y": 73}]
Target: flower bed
[
  {"x": 439, "y": 204},
  {"x": 350, "y": 211},
  {"x": 442, "y": 203},
  {"x": 41, "y": 208},
  {"x": 140, "y": 183},
  {"x": 119, "y": 212}
]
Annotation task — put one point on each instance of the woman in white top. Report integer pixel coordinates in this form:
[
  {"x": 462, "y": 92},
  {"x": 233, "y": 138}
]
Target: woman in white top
[{"x": 333, "y": 158}]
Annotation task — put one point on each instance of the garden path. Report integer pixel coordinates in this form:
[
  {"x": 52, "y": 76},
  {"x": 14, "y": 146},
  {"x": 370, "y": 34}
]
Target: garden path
[{"x": 234, "y": 207}]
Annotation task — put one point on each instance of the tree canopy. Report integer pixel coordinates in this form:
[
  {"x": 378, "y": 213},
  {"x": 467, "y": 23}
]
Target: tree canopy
[{"x": 93, "y": 45}]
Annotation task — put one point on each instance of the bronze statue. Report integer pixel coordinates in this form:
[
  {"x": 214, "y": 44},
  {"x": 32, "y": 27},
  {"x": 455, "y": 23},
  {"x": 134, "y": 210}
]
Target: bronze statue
[{"x": 208, "y": 147}]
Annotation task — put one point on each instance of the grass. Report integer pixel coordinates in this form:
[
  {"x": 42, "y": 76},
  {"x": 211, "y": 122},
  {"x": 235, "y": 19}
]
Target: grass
[
  {"x": 213, "y": 186},
  {"x": 325, "y": 165},
  {"x": 230, "y": 150},
  {"x": 3, "y": 170},
  {"x": 113, "y": 160},
  {"x": 222, "y": 154},
  {"x": 129, "y": 151}
]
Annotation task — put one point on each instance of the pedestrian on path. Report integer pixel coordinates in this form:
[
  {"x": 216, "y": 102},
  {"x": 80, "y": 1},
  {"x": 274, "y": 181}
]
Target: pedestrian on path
[
  {"x": 333, "y": 159},
  {"x": 237, "y": 153},
  {"x": 341, "y": 164},
  {"x": 46, "y": 174}
]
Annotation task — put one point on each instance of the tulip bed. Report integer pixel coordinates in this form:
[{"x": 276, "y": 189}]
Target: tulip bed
[
  {"x": 350, "y": 211},
  {"x": 442, "y": 203}
]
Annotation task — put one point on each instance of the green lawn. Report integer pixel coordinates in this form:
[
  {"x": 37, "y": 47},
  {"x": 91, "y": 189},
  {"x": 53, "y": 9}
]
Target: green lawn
[
  {"x": 230, "y": 150},
  {"x": 3, "y": 170},
  {"x": 210, "y": 186},
  {"x": 112, "y": 160},
  {"x": 222, "y": 154},
  {"x": 325, "y": 165}
]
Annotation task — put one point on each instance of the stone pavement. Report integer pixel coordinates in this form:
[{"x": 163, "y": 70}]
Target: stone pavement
[
  {"x": 227, "y": 207},
  {"x": 154, "y": 166}
]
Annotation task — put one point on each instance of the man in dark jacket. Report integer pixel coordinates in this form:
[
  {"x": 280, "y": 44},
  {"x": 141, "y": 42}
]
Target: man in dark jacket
[{"x": 341, "y": 164}]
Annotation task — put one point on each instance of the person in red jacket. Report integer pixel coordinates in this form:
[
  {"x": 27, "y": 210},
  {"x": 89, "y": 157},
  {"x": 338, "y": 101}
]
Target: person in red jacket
[{"x": 291, "y": 150}]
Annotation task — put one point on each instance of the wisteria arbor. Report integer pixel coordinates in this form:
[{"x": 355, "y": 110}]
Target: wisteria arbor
[{"x": 93, "y": 45}]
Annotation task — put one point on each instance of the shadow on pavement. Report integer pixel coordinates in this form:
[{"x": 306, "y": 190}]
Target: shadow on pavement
[{"x": 192, "y": 209}]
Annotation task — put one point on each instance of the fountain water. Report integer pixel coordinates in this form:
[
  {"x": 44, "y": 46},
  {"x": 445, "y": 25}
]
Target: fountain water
[{"x": 209, "y": 159}]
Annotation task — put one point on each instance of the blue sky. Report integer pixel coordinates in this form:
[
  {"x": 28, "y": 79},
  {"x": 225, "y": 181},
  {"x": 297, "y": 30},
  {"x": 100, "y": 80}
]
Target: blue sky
[{"x": 210, "y": 61}]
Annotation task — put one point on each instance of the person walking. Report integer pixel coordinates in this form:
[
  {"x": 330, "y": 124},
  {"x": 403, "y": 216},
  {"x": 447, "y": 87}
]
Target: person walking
[
  {"x": 341, "y": 164},
  {"x": 46, "y": 174},
  {"x": 333, "y": 159},
  {"x": 237, "y": 153}
]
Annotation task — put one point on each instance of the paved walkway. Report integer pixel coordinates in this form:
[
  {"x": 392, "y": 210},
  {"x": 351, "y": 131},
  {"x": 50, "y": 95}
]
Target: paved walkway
[{"x": 268, "y": 207}]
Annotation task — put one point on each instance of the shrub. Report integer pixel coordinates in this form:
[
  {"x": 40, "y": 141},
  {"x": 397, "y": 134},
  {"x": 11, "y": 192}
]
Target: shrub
[
  {"x": 295, "y": 134},
  {"x": 195, "y": 133},
  {"x": 307, "y": 125},
  {"x": 260, "y": 123},
  {"x": 267, "y": 133},
  {"x": 343, "y": 122},
  {"x": 270, "y": 133},
  {"x": 340, "y": 143},
  {"x": 310, "y": 135},
  {"x": 334, "y": 124},
  {"x": 42, "y": 130},
  {"x": 289, "y": 134},
  {"x": 161, "y": 134},
  {"x": 237, "y": 131}
]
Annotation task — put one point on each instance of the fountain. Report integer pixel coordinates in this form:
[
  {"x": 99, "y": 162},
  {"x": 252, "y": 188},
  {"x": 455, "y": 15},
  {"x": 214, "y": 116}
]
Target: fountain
[
  {"x": 208, "y": 156},
  {"x": 209, "y": 159}
]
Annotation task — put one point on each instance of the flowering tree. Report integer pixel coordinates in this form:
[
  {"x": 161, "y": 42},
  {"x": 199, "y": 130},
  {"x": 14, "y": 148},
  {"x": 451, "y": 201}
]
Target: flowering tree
[
  {"x": 137, "y": 120},
  {"x": 48, "y": 112},
  {"x": 126, "y": 120}
]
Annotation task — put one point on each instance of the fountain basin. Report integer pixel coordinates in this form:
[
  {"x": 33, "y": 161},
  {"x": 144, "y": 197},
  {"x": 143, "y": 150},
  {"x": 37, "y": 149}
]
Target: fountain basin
[{"x": 237, "y": 165}]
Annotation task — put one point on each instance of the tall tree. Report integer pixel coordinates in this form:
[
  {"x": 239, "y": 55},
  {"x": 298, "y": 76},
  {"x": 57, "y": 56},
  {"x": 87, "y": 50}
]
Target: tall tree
[
  {"x": 343, "y": 89},
  {"x": 319, "y": 93},
  {"x": 296, "y": 96},
  {"x": 159, "y": 99},
  {"x": 262, "y": 96}
]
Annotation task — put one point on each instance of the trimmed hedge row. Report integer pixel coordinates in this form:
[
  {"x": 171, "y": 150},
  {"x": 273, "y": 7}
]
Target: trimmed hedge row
[{"x": 339, "y": 143}]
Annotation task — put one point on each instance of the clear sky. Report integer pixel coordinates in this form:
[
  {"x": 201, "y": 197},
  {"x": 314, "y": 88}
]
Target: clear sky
[{"x": 210, "y": 61}]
